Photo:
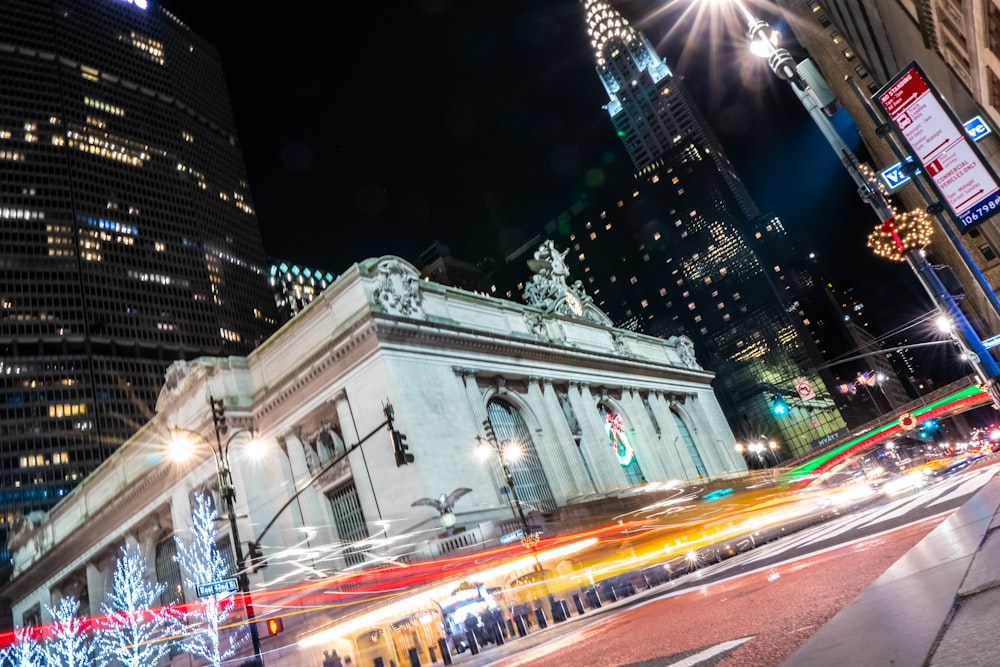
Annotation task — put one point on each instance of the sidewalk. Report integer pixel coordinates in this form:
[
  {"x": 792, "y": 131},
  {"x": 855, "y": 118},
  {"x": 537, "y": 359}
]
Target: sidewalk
[{"x": 937, "y": 606}]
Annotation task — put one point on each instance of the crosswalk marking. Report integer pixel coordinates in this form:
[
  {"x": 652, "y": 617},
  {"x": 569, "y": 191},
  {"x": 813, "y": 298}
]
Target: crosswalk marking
[
  {"x": 710, "y": 652},
  {"x": 870, "y": 516},
  {"x": 964, "y": 488}
]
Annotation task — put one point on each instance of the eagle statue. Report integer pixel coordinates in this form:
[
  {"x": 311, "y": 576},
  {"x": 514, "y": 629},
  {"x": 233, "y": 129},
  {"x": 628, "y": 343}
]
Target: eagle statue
[{"x": 443, "y": 503}]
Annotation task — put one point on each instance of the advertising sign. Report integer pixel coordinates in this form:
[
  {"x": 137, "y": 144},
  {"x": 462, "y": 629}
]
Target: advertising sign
[{"x": 941, "y": 146}]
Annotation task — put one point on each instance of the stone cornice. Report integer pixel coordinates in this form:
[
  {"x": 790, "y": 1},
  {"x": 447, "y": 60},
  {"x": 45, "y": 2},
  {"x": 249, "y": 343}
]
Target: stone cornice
[
  {"x": 402, "y": 330},
  {"x": 126, "y": 508}
]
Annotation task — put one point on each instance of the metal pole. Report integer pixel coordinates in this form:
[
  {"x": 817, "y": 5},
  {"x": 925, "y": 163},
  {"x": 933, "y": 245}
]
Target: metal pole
[
  {"x": 513, "y": 492},
  {"x": 885, "y": 130},
  {"x": 783, "y": 66},
  {"x": 228, "y": 497}
]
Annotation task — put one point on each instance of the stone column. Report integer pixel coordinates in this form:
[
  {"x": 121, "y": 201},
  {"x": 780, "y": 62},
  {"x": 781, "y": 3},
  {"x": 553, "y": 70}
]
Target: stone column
[
  {"x": 556, "y": 448},
  {"x": 97, "y": 582},
  {"x": 595, "y": 444},
  {"x": 679, "y": 463},
  {"x": 476, "y": 404},
  {"x": 704, "y": 437},
  {"x": 721, "y": 430},
  {"x": 644, "y": 438},
  {"x": 312, "y": 505}
]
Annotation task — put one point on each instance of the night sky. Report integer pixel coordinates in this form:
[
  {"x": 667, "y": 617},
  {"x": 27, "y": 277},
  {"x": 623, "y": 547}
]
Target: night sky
[{"x": 388, "y": 127}]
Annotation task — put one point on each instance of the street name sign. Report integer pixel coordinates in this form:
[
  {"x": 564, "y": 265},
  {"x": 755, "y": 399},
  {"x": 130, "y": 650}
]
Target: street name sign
[
  {"x": 992, "y": 341},
  {"x": 217, "y": 588},
  {"x": 941, "y": 146},
  {"x": 895, "y": 177}
]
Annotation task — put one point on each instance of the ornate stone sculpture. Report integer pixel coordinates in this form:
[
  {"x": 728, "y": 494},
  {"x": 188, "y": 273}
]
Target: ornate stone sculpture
[
  {"x": 398, "y": 290},
  {"x": 685, "y": 350},
  {"x": 549, "y": 291}
]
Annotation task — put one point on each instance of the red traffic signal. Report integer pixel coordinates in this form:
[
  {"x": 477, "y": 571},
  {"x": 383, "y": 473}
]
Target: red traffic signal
[{"x": 274, "y": 626}]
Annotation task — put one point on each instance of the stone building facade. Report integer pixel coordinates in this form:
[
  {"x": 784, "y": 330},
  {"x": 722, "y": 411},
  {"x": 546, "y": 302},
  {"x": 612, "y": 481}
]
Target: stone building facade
[{"x": 596, "y": 412}]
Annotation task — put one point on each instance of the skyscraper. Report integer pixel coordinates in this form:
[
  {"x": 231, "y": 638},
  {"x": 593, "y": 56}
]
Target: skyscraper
[
  {"x": 687, "y": 251},
  {"x": 128, "y": 236}
]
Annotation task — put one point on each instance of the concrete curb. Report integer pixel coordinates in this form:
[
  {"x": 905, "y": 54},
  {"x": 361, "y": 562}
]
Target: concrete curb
[{"x": 937, "y": 605}]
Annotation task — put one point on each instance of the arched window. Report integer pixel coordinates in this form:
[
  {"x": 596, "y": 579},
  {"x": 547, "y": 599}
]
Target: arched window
[
  {"x": 699, "y": 465},
  {"x": 530, "y": 483},
  {"x": 622, "y": 448}
]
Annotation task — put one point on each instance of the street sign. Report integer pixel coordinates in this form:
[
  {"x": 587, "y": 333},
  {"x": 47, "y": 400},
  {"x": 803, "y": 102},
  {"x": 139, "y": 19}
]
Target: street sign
[
  {"x": 895, "y": 177},
  {"x": 941, "y": 146},
  {"x": 512, "y": 536},
  {"x": 992, "y": 341},
  {"x": 976, "y": 128},
  {"x": 804, "y": 388},
  {"x": 217, "y": 588}
]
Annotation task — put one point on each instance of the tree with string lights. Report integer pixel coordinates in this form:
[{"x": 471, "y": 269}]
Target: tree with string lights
[
  {"x": 135, "y": 627},
  {"x": 68, "y": 645},
  {"x": 26, "y": 651},
  {"x": 202, "y": 563}
]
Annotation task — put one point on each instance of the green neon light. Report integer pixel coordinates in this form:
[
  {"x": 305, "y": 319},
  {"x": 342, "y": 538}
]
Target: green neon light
[{"x": 809, "y": 466}]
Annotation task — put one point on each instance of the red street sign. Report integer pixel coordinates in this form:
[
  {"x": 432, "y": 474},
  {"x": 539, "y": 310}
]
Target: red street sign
[
  {"x": 805, "y": 390},
  {"x": 939, "y": 142}
]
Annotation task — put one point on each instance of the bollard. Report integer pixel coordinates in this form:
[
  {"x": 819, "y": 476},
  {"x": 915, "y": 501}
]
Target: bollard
[
  {"x": 519, "y": 622},
  {"x": 470, "y": 639},
  {"x": 414, "y": 657},
  {"x": 445, "y": 653},
  {"x": 593, "y": 599},
  {"x": 556, "y": 610},
  {"x": 578, "y": 603},
  {"x": 540, "y": 618}
]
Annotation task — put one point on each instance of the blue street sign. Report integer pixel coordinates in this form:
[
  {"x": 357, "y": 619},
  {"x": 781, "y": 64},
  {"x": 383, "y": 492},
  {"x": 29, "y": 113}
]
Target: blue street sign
[
  {"x": 895, "y": 177},
  {"x": 217, "y": 588},
  {"x": 976, "y": 128},
  {"x": 512, "y": 536},
  {"x": 991, "y": 342}
]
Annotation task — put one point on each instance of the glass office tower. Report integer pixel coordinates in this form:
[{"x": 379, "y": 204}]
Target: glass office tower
[
  {"x": 128, "y": 237},
  {"x": 687, "y": 251}
]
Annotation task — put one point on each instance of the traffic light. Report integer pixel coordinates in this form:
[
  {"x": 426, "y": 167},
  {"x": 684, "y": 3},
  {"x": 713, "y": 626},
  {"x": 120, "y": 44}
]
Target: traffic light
[
  {"x": 930, "y": 429},
  {"x": 274, "y": 626},
  {"x": 400, "y": 448},
  {"x": 219, "y": 415},
  {"x": 780, "y": 407},
  {"x": 488, "y": 429},
  {"x": 256, "y": 558},
  {"x": 390, "y": 414}
]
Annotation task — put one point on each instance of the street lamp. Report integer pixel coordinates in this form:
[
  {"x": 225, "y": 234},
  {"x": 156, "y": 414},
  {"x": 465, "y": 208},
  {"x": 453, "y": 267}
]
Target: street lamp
[
  {"x": 764, "y": 42},
  {"x": 181, "y": 448},
  {"x": 506, "y": 452}
]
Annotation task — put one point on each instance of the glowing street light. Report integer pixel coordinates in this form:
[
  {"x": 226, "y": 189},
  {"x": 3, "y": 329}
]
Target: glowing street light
[
  {"x": 900, "y": 236},
  {"x": 182, "y": 447}
]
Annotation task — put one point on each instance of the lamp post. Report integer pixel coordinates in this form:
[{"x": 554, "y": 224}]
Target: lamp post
[
  {"x": 228, "y": 494},
  {"x": 506, "y": 452},
  {"x": 764, "y": 42}
]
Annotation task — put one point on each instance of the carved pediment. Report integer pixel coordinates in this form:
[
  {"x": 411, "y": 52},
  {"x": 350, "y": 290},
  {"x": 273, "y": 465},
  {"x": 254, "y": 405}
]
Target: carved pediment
[
  {"x": 550, "y": 292},
  {"x": 397, "y": 289}
]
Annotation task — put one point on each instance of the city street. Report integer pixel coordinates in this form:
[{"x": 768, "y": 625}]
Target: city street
[
  {"x": 749, "y": 620},
  {"x": 752, "y": 610}
]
